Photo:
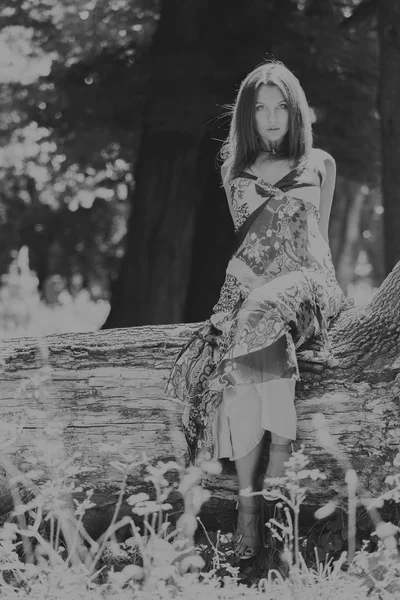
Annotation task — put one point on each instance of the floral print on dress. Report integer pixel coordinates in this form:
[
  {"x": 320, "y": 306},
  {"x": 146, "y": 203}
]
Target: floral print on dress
[
  {"x": 280, "y": 286},
  {"x": 240, "y": 208}
]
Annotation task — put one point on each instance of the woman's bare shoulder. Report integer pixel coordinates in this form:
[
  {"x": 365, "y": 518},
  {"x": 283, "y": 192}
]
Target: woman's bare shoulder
[
  {"x": 227, "y": 163},
  {"x": 225, "y": 167},
  {"x": 321, "y": 156},
  {"x": 323, "y": 161}
]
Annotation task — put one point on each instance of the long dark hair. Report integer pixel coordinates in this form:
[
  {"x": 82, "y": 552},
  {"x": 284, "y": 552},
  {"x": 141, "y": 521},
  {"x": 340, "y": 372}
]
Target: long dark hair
[{"x": 243, "y": 145}]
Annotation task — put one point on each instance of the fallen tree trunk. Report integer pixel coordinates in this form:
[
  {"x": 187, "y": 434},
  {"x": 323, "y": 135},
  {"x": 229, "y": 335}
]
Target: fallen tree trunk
[{"x": 108, "y": 386}]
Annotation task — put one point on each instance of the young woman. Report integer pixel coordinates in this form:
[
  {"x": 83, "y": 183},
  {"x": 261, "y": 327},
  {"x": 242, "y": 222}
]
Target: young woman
[{"x": 237, "y": 374}]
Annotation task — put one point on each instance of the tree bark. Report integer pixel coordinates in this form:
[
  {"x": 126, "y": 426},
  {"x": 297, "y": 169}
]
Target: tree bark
[
  {"x": 199, "y": 54},
  {"x": 108, "y": 386},
  {"x": 372, "y": 221},
  {"x": 351, "y": 242},
  {"x": 389, "y": 107},
  {"x": 341, "y": 207},
  {"x": 152, "y": 285},
  {"x": 213, "y": 240}
]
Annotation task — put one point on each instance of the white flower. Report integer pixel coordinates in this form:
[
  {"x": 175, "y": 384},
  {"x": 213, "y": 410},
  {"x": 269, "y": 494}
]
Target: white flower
[
  {"x": 385, "y": 530},
  {"x": 213, "y": 467},
  {"x": 194, "y": 562},
  {"x": 136, "y": 498}
]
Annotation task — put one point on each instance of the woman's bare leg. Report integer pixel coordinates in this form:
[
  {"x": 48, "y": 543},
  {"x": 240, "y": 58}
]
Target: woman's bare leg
[
  {"x": 276, "y": 467},
  {"x": 248, "y": 523},
  {"x": 246, "y": 468}
]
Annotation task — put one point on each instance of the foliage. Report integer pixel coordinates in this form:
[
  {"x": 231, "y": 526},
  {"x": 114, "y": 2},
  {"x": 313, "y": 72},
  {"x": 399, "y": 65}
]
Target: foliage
[
  {"x": 340, "y": 77},
  {"x": 68, "y": 126},
  {"x": 46, "y": 552},
  {"x": 74, "y": 87},
  {"x": 23, "y": 312}
]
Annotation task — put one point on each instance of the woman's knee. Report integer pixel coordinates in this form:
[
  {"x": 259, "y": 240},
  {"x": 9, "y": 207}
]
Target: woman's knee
[{"x": 278, "y": 439}]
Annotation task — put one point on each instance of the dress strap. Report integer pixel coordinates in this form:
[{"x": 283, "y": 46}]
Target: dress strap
[{"x": 250, "y": 169}]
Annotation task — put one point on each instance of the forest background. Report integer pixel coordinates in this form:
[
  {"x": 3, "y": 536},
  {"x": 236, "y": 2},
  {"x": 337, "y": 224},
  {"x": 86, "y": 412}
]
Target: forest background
[{"x": 112, "y": 113}]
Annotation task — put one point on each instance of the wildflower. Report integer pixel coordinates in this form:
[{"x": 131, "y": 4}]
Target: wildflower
[
  {"x": 31, "y": 570},
  {"x": 187, "y": 524},
  {"x": 316, "y": 474},
  {"x": 161, "y": 552},
  {"x": 150, "y": 507},
  {"x": 82, "y": 507},
  {"x": 191, "y": 562},
  {"x": 325, "y": 510},
  {"x": 8, "y": 531},
  {"x": 198, "y": 497},
  {"x": 129, "y": 572},
  {"x": 351, "y": 477},
  {"x": 136, "y": 498},
  {"x": 385, "y": 530},
  {"x": 213, "y": 467}
]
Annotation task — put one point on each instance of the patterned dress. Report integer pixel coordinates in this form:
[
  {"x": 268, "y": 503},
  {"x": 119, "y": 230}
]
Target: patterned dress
[{"x": 280, "y": 289}]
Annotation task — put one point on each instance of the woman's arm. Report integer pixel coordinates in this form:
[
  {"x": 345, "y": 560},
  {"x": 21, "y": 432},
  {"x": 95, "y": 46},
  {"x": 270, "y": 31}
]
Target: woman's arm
[
  {"x": 327, "y": 190},
  {"x": 224, "y": 170}
]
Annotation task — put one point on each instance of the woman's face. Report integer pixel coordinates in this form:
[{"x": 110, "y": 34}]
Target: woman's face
[{"x": 272, "y": 115}]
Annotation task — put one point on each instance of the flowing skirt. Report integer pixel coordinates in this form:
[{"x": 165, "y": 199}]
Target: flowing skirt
[
  {"x": 246, "y": 412},
  {"x": 237, "y": 374}
]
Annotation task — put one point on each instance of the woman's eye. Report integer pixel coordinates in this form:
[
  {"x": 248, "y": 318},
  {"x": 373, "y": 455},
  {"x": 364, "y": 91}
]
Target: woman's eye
[{"x": 261, "y": 107}]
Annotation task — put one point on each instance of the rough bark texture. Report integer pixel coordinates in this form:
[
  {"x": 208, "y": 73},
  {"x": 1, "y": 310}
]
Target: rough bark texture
[
  {"x": 389, "y": 107},
  {"x": 107, "y": 386},
  {"x": 157, "y": 263},
  {"x": 214, "y": 238},
  {"x": 338, "y": 218},
  {"x": 351, "y": 245},
  {"x": 199, "y": 54}
]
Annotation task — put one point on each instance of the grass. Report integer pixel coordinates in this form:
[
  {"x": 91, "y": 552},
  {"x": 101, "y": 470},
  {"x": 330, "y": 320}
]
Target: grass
[{"x": 45, "y": 551}]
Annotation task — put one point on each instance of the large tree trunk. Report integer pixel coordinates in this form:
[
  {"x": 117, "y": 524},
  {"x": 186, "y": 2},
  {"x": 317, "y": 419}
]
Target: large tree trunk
[
  {"x": 337, "y": 223},
  {"x": 351, "y": 242},
  {"x": 152, "y": 285},
  {"x": 213, "y": 241},
  {"x": 108, "y": 386},
  {"x": 389, "y": 106},
  {"x": 198, "y": 56}
]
